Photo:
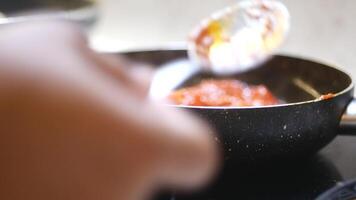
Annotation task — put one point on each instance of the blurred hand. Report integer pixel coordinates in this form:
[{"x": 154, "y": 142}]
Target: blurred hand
[{"x": 75, "y": 124}]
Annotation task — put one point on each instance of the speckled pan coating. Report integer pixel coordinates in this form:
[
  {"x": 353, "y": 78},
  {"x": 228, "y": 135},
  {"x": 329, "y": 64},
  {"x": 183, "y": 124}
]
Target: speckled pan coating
[{"x": 300, "y": 127}]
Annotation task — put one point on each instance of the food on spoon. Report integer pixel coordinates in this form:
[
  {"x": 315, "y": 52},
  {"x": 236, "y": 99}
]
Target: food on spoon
[
  {"x": 239, "y": 37},
  {"x": 224, "y": 92}
]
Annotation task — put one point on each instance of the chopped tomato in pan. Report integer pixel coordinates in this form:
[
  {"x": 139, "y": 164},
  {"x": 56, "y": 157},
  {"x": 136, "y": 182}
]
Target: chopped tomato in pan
[
  {"x": 223, "y": 93},
  {"x": 327, "y": 96}
]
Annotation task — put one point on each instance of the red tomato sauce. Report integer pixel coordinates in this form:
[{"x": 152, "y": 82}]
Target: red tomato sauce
[
  {"x": 223, "y": 93},
  {"x": 327, "y": 96}
]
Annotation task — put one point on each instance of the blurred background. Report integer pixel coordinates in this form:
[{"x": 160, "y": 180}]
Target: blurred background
[{"x": 321, "y": 29}]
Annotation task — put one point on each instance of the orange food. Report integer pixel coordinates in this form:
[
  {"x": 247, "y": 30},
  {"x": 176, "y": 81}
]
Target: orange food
[
  {"x": 327, "y": 96},
  {"x": 223, "y": 93}
]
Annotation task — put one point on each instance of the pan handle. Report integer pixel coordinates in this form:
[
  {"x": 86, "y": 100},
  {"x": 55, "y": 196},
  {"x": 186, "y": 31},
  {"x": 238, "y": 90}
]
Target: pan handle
[{"x": 348, "y": 120}]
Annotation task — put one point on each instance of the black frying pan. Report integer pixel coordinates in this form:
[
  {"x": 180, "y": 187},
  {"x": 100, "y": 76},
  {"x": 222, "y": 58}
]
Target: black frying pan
[{"x": 300, "y": 127}]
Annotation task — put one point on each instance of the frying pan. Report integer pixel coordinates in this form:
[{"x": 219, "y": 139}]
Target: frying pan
[{"x": 300, "y": 126}]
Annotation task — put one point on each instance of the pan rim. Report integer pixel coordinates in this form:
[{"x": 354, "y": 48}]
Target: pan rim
[{"x": 287, "y": 55}]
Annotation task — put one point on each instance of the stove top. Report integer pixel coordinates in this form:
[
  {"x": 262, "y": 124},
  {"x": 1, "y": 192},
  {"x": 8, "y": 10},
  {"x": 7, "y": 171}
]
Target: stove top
[{"x": 299, "y": 179}]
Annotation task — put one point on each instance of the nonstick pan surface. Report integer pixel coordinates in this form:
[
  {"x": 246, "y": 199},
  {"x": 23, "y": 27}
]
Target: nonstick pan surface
[{"x": 300, "y": 126}]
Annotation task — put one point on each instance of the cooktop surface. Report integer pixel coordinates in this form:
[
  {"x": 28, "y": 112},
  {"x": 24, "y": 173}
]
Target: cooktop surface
[{"x": 299, "y": 179}]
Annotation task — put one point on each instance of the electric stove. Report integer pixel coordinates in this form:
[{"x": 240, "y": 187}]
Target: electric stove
[{"x": 287, "y": 179}]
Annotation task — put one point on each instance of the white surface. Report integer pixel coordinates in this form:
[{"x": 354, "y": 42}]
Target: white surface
[{"x": 322, "y": 29}]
